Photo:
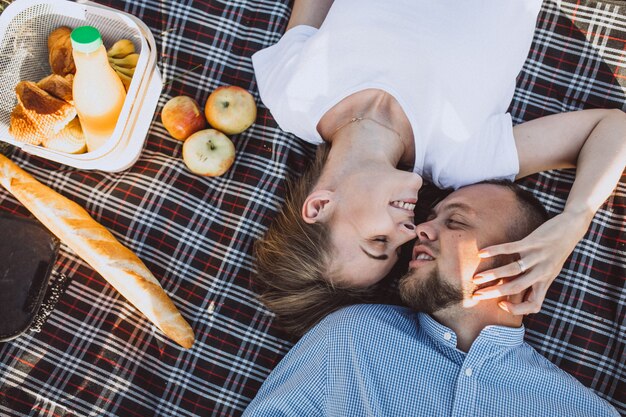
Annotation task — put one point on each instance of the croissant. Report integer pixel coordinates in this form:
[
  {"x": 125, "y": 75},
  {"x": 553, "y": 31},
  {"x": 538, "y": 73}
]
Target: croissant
[
  {"x": 38, "y": 114},
  {"x": 60, "y": 51},
  {"x": 58, "y": 86}
]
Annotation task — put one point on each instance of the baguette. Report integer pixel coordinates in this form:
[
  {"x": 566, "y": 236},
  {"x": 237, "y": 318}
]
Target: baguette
[{"x": 99, "y": 248}]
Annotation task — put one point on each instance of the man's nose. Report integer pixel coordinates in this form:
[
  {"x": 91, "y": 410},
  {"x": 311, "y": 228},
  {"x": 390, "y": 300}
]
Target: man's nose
[{"x": 426, "y": 231}]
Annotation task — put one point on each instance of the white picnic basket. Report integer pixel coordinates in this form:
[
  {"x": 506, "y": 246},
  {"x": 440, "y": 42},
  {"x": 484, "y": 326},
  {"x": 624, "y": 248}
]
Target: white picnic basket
[{"x": 24, "y": 29}]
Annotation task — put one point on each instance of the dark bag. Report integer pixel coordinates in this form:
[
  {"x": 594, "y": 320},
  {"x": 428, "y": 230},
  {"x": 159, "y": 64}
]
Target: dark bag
[{"x": 28, "y": 252}]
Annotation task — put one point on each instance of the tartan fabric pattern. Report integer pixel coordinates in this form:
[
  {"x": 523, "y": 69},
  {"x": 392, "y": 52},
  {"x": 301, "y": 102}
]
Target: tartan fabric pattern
[
  {"x": 96, "y": 355},
  {"x": 578, "y": 61}
]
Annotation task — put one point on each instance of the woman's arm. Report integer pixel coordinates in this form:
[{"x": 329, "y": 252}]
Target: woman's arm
[
  {"x": 309, "y": 12},
  {"x": 594, "y": 141}
]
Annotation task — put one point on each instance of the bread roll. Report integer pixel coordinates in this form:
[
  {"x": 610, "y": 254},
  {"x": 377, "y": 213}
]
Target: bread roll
[
  {"x": 69, "y": 140},
  {"x": 99, "y": 248}
]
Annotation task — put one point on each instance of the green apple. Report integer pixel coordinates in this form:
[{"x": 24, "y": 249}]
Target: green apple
[
  {"x": 208, "y": 152},
  {"x": 230, "y": 109}
]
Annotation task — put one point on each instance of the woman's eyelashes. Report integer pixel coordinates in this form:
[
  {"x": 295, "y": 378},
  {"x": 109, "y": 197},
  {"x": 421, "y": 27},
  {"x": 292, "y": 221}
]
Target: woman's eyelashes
[{"x": 380, "y": 239}]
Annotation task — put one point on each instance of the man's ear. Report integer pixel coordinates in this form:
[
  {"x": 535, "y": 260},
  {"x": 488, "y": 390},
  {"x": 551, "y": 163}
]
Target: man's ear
[{"x": 317, "y": 206}]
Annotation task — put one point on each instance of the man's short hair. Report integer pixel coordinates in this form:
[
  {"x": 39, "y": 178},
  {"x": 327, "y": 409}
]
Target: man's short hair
[{"x": 533, "y": 213}]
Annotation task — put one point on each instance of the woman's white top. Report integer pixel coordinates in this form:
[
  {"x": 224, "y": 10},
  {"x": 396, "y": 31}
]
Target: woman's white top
[{"x": 451, "y": 65}]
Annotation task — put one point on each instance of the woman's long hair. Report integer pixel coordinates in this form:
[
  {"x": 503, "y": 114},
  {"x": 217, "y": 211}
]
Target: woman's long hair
[{"x": 293, "y": 259}]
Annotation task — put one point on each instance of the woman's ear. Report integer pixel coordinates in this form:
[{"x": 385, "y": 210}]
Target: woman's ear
[{"x": 317, "y": 206}]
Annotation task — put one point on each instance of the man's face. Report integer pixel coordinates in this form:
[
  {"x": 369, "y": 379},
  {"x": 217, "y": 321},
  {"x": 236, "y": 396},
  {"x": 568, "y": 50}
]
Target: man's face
[{"x": 445, "y": 255}]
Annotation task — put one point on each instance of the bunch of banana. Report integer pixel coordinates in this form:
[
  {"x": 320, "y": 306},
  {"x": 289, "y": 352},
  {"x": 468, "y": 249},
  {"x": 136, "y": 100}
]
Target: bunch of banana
[{"x": 123, "y": 59}]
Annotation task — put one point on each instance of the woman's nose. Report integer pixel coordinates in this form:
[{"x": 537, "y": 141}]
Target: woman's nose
[
  {"x": 409, "y": 228},
  {"x": 405, "y": 231},
  {"x": 417, "y": 181}
]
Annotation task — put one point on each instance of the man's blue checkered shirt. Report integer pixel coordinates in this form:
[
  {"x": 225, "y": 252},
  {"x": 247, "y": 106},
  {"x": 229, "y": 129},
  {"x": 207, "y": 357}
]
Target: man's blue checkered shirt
[{"x": 376, "y": 360}]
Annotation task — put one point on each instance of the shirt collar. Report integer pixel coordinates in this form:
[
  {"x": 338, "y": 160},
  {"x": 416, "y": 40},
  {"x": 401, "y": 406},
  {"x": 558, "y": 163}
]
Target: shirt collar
[{"x": 498, "y": 335}]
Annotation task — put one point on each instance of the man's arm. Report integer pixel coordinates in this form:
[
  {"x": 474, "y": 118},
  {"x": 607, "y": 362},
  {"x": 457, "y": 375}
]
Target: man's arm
[
  {"x": 309, "y": 12},
  {"x": 593, "y": 141}
]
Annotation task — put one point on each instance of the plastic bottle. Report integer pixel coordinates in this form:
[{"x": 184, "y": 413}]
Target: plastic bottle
[{"x": 98, "y": 91}]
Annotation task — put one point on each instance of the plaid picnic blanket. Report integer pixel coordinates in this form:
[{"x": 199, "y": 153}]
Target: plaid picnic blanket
[{"x": 97, "y": 355}]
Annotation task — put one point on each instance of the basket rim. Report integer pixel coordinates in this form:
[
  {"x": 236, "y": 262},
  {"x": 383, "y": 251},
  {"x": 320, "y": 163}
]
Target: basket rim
[{"x": 141, "y": 83}]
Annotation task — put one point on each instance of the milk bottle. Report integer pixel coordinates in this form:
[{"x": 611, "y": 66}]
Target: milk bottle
[{"x": 98, "y": 91}]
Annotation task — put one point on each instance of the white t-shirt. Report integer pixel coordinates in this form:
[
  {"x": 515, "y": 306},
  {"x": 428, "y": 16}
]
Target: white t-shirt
[{"x": 451, "y": 65}]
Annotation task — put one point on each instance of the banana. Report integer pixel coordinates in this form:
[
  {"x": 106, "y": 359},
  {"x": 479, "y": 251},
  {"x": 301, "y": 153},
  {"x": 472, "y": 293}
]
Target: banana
[
  {"x": 121, "y": 48},
  {"x": 123, "y": 60},
  {"x": 129, "y": 61},
  {"x": 125, "y": 80},
  {"x": 126, "y": 71}
]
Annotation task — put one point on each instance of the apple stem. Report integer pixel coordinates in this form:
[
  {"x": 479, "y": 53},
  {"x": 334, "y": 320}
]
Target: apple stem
[{"x": 211, "y": 146}]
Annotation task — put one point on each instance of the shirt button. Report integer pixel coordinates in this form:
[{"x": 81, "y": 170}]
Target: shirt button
[
  {"x": 447, "y": 335},
  {"x": 468, "y": 371}
]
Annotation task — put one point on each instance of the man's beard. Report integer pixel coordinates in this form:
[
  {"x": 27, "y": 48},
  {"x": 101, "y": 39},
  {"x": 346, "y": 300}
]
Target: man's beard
[{"x": 428, "y": 294}]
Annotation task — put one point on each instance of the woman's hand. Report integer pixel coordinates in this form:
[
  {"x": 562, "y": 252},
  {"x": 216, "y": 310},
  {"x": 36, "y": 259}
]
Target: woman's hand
[
  {"x": 542, "y": 255},
  {"x": 595, "y": 142}
]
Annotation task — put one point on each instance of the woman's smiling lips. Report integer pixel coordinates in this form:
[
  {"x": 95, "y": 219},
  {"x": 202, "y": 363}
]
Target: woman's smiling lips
[{"x": 405, "y": 205}]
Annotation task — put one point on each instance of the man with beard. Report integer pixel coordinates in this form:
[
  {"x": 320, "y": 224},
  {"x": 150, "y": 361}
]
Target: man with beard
[{"x": 455, "y": 356}]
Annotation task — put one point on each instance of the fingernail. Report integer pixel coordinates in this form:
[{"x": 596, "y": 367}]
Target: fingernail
[
  {"x": 478, "y": 296},
  {"x": 483, "y": 254},
  {"x": 485, "y": 278},
  {"x": 487, "y": 294},
  {"x": 503, "y": 306}
]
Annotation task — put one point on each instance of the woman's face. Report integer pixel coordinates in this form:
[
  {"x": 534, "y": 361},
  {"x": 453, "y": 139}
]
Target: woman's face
[{"x": 372, "y": 217}]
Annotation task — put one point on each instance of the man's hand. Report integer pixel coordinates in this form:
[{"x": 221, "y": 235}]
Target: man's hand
[{"x": 542, "y": 255}]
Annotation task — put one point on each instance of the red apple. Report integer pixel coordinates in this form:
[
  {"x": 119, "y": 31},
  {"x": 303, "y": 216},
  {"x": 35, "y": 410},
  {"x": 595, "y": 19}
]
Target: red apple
[
  {"x": 230, "y": 109},
  {"x": 182, "y": 116},
  {"x": 208, "y": 152}
]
